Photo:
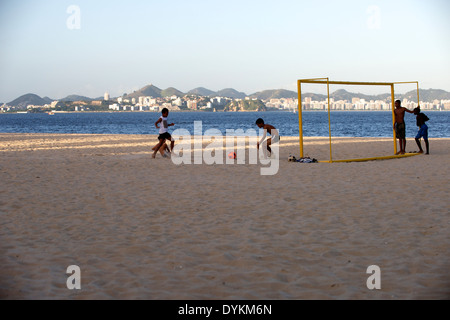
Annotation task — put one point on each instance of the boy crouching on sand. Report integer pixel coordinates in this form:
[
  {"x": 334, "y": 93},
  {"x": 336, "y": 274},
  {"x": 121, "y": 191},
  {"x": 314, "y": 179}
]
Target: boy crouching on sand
[
  {"x": 274, "y": 136},
  {"x": 423, "y": 130},
  {"x": 163, "y": 133}
]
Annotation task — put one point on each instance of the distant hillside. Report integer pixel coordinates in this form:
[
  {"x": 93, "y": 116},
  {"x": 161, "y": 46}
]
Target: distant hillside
[
  {"x": 202, "y": 92},
  {"x": 75, "y": 97},
  {"x": 314, "y": 96},
  {"x": 342, "y": 94},
  {"x": 27, "y": 99},
  {"x": 226, "y": 93},
  {"x": 246, "y": 105},
  {"x": 147, "y": 91},
  {"x": 427, "y": 95},
  {"x": 171, "y": 92},
  {"x": 275, "y": 94},
  {"x": 231, "y": 93},
  {"x": 345, "y": 95}
]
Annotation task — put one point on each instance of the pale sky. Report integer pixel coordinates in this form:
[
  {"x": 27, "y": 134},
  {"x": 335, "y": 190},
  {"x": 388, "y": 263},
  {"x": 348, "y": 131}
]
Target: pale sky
[{"x": 121, "y": 46}]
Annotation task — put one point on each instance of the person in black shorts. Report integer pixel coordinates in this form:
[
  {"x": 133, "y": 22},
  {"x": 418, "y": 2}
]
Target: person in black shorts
[
  {"x": 423, "y": 130},
  {"x": 399, "y": 125},
  {"x": 164, "y": 135}
]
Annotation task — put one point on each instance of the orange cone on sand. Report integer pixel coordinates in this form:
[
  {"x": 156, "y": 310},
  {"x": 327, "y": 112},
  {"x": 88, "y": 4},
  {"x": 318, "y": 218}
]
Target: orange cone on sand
[{"x": 232, "y": 155}]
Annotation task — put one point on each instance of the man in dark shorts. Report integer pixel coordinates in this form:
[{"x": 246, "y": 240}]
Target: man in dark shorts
[
  {"x": 399, "y": 126},
  {"x": 163, "y": 132},
  {"x": 423, "y": 130}
]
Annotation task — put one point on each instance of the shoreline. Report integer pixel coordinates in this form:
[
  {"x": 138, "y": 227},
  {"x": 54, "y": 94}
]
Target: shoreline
[
  {"x": 155, "y": 136},
  {"x": 200, "y": 111}
]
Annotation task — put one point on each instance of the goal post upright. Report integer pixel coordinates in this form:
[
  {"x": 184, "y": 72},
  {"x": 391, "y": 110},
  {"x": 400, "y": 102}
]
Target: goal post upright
[
  {"x": 300, "y": 117},
  {"x": 329, "y": 118},
  {"x": 300, "y": 110},
  {"x": 418, "y": 94},
  {"x": 393, "y": 117}
]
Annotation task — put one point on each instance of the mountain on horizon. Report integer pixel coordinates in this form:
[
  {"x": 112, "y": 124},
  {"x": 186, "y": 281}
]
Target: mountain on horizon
[
  {"x": 74, "y": 97},
  {"x": 275, "y": 94},
  {"x": 29, "y": 98},
  {"x": 49, "y": 100},
  {"x": 343, "y": 94},
  {"x": 428, "y": 95},
  {"x": 231, "y": 93},
  {"x": 155, "y": 92},
  {"x": 147, "y": 91},
  {"x": 201, "y": 92},
  {"x": 285, "y": 94},
  {"x": 171, "y": 92}
]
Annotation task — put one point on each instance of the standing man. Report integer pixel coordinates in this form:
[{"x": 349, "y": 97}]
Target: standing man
[{"x": 399, "y": 126}]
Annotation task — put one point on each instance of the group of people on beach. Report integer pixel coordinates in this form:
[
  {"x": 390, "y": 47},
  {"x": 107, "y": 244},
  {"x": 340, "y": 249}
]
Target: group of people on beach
[
  {"x": 400, "y": 127},
  {"x": 165, "y": 138}
]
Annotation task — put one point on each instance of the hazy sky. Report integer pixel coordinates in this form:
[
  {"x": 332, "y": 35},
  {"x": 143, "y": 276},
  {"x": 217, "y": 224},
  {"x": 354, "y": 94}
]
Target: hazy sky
[{"x": 120, "y": 46}]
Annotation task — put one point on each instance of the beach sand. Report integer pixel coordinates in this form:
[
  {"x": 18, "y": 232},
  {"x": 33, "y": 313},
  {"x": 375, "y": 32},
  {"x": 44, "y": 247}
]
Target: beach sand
[{"x": 142, "y": 228}]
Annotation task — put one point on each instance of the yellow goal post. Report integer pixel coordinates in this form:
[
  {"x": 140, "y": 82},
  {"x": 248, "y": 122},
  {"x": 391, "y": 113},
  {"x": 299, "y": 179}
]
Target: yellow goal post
[{"x": 358, "y": 83}]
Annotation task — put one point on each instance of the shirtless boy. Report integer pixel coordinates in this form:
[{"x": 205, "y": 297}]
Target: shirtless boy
[
  {"x": 399, "y": 126},
  {"x": 274, "y": 136}
]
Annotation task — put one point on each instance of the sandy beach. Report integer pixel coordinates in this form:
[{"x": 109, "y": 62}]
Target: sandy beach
[{"x": 142, "y": 228}]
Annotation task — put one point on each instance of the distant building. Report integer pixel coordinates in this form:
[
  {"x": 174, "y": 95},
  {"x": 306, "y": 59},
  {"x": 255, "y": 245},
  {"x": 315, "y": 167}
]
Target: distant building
[
  {"x": 192, "y": 104},
  {"x": 106, "y": 98},
  {"x": 147, "y": 101},
  {"x": 177, "y": 102},
  {"x": 115, "y": 107},
  {"x": 445, "y": 104}
]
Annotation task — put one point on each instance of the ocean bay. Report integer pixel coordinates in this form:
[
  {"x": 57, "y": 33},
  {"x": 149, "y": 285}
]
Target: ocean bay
[{"x": 343, "y": 123}]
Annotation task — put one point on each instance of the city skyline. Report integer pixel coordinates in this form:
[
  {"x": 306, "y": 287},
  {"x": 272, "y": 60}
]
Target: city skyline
[
  {"x": 340, "y": 100},
  {"x": 59, "y": 48}
]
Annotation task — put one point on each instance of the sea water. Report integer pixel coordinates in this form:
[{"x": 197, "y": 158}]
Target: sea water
[{"x": 343, "y": 123}]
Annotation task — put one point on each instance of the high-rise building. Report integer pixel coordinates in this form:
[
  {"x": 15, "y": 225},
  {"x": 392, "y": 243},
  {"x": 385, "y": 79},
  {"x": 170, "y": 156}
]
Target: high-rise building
[{"x": 106, "y": 96}]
